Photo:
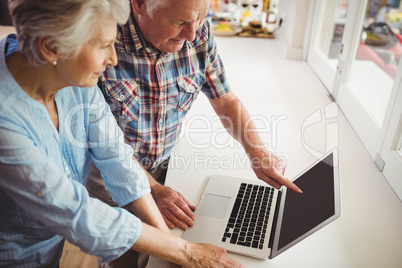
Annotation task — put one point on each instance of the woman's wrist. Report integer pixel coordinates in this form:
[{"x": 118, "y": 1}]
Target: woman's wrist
[{"x": 163, "y": 245}]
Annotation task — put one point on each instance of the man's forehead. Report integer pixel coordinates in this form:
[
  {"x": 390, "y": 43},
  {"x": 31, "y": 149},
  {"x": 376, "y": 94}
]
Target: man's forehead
[
  {"x": 196, "y": 4},
  {"x": 188, "y": 9}
]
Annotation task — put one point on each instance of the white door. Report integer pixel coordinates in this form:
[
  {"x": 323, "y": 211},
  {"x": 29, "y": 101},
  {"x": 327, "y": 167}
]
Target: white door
[
  {"x": 367, "y": 70},
  {"x": 326, "y": 36},
  {"x": 367, "y": 79}
]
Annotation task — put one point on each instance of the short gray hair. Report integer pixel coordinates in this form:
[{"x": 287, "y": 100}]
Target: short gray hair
[
  {"x": 153, "y": 5},
  {"x": 68, "y": 24}
]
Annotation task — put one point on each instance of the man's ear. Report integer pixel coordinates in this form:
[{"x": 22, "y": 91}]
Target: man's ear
[
  {"x": 138, "y": 6},
  {"x": 50, "y": 54}
]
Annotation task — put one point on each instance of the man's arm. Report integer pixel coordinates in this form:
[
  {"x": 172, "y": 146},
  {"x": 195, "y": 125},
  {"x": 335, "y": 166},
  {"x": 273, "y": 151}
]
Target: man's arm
[{"x": 237, "y": 121}]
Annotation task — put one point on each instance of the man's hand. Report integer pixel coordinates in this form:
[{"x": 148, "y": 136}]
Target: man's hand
[
  {"x": 175, "y": 209},
  {"x": 270, "y": 169},
  {"x": 237, "y": 121},
  {"x": 146, "y": 209}
]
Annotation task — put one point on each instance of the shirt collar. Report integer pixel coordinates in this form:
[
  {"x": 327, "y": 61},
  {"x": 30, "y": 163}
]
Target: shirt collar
[
  {"x": 133, "y": 39},
  {"x": 201, "y": 36}
]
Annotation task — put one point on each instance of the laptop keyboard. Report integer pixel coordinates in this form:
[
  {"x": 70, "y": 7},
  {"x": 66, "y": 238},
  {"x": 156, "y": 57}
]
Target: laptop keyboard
[{"x": 248, "y": 221}]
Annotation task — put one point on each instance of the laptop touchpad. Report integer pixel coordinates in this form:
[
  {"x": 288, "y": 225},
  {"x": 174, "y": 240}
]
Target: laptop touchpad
[{"x": 214, "y": 206}]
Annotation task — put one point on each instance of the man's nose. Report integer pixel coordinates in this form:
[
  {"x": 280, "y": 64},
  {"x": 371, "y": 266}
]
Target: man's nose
[{"x": 189, "y": 31}]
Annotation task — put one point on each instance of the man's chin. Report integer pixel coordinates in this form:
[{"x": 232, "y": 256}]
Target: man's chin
[{"x": 172, "y": 47}]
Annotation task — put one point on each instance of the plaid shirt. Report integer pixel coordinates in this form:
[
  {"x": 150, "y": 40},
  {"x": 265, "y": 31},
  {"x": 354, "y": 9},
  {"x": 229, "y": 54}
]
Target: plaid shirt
[{"x": 150, "y": 91}]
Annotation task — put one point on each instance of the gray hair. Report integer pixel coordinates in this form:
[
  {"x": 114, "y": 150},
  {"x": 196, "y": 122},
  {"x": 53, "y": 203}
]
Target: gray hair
[
  {"x": 153, "y": 5},
  {"x": 68, "y": 24}
]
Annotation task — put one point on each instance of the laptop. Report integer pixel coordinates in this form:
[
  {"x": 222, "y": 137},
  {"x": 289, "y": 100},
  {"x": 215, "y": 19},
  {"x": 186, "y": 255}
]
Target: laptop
[{"x": 225, "y": 215}]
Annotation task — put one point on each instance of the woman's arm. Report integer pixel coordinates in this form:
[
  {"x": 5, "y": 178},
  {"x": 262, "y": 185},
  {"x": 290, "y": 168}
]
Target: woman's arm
[
  {"x": 122, "y": 173},
  {"x": 174, "y": 249},
  {"x": 38, "y": 187},
  {"x": 146, "y": 209},
  {"x": 160, "y": 243}
]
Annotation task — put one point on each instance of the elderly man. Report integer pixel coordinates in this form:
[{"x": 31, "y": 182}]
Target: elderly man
[{"x": 166, "y": 56}]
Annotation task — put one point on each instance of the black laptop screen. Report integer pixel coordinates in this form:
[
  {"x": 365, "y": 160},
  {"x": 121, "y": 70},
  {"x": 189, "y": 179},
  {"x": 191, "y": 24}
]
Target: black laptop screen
[{"x": 303, "y": 212}]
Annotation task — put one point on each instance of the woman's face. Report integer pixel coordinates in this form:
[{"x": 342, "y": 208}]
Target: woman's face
[{"x": 85, "y": 69}]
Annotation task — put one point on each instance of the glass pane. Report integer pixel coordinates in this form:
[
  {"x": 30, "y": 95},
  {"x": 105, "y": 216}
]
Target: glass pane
[
  {"x": 332, "y": 29},
  {"x": 378, "y": 54}
]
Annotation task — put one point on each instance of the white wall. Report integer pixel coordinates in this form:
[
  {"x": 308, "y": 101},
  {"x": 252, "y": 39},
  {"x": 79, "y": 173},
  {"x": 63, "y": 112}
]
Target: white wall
[{"x": 294, "y": 26}]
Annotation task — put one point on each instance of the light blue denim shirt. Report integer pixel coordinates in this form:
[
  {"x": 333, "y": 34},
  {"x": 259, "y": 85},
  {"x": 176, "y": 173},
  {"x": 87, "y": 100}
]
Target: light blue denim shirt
[{"x": 43, "y": 173}]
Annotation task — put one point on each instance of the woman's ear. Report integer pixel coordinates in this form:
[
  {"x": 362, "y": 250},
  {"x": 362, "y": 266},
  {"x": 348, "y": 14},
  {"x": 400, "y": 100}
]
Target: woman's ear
[
  {"x": 138, "y": 6},
  {"x": 50, "y": 54}
]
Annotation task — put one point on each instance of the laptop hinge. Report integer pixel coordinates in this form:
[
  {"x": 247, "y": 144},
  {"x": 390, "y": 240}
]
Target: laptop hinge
[{"x": 271, "y": 237}]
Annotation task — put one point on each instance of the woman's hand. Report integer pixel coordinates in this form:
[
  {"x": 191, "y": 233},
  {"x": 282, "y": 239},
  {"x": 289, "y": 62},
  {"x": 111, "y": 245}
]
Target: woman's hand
[
  {"x": 174, "y": 249},
  {"x": 207, "y": 255}
]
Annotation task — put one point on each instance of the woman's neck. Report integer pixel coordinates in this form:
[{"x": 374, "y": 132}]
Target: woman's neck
[{"x": 39, "y": 83}]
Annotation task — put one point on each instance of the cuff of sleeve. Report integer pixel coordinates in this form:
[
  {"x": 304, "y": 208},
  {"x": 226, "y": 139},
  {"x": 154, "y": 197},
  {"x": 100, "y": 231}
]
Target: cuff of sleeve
[{"x": 217, "y": 92}]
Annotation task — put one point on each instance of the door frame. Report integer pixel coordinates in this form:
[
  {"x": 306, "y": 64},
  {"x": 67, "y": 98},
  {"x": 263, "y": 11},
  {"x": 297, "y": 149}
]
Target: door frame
[
  {"x": 390, "y": 158},
  {"x": 362, "y": 122},
  {"x": 324, "y": 69},
  {"x": 381, "y": 141}
]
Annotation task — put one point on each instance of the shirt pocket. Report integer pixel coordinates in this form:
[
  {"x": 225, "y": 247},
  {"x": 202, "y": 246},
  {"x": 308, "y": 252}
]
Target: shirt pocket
[
  {"x": 189, "y": 87},
  {"x": 123, "y": 99}
]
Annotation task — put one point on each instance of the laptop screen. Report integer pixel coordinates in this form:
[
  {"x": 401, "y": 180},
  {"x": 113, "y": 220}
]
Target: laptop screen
[{"x": 305, "y": 213}]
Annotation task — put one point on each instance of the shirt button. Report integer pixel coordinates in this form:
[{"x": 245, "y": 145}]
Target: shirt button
[
  {"x": 122, "y": 97},
  {"x": 69, "y": 176},
  {"x": 162, "y": 93}
]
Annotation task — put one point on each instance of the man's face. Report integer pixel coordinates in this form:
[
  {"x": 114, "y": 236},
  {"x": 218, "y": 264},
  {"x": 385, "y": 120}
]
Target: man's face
[{"x": 171, "y": 25}]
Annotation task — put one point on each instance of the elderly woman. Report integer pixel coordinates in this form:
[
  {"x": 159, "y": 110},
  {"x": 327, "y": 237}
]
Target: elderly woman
[{"x": 53, "y": 120}]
